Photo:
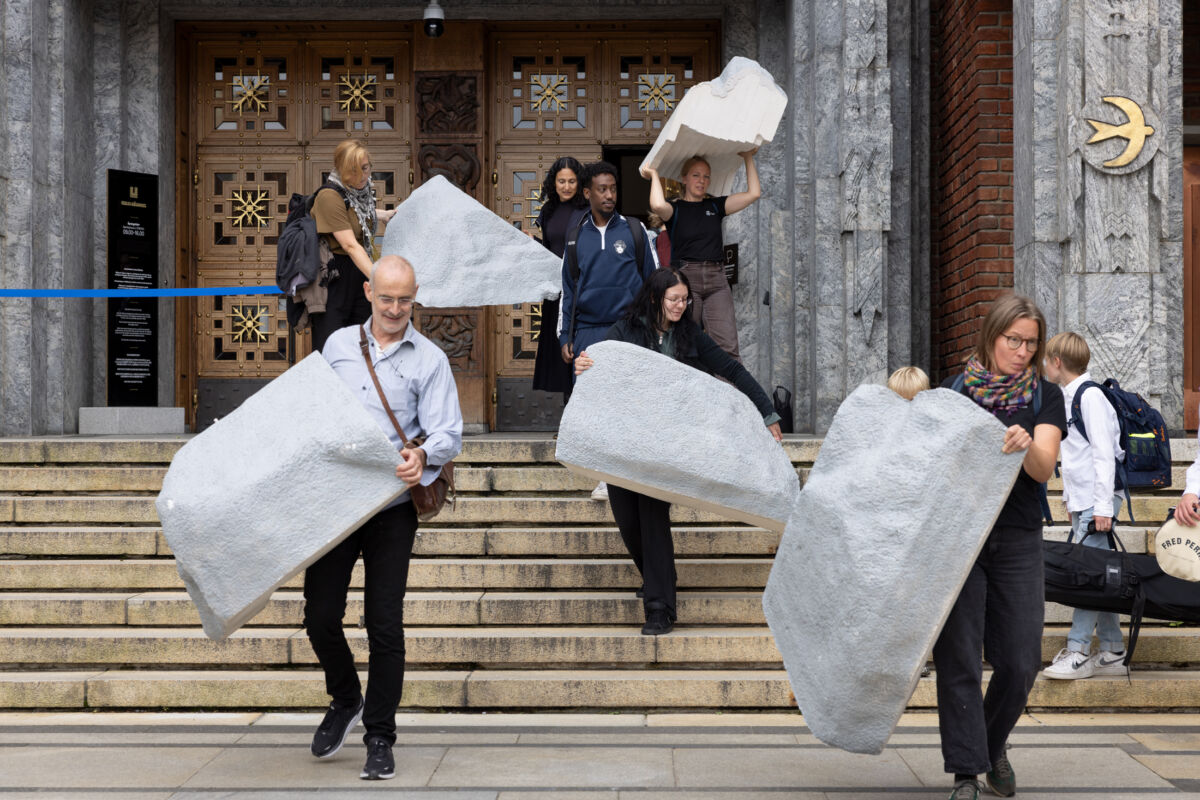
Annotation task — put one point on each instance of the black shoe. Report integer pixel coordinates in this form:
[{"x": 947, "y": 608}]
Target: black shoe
[
  {"x": 380, "y": 765},
  {"x": 658, "y": 622},
  {"x": 1001, "y": 779},
  {"x": 332, "y": 732}
]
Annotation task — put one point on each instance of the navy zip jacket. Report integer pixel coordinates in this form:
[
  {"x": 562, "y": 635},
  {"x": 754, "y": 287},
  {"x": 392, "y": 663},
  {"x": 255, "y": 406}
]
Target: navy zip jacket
[{"x": 608, "y": 276}]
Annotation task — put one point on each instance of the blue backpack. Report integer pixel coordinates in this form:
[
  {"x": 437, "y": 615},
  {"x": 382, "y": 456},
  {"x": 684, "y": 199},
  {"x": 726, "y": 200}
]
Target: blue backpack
[{"x": 1143, "y": 437}]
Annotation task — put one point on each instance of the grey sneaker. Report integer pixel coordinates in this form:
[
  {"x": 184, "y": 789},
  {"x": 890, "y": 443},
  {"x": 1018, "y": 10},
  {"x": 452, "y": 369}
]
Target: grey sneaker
[
  {"x": 1107, "y": 662},
  {"x": 965, "y": 790},
  {"x": 1001, "y": 779}
]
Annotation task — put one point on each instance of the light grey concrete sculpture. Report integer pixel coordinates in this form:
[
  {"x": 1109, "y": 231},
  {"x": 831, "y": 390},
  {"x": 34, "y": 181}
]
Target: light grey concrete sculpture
[
  {"x": 738, "y": 111},
  {"x": 643, "y": 421},
  {"x": 870, "y": 563},
  {"x": 268, "y": 489},
  {"x": 465, "y": 255}
]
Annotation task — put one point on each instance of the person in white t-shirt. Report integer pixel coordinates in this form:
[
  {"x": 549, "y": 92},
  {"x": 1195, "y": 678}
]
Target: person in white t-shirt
[{"x": 1089, "y": 477}]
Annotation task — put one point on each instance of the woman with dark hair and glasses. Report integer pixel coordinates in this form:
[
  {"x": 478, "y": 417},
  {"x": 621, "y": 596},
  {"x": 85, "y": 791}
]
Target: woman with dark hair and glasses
[
  {"x": 999, "y": 611},
  {"x": 656, "y": 320},
  {"x": 562, "y": 205}
]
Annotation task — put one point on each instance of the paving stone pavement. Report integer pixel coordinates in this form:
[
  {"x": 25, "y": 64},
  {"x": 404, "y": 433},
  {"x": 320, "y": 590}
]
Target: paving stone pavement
[{"x": 256, "y": 756}]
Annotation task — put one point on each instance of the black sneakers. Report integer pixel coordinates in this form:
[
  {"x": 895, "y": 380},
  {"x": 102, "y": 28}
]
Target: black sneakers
[
  {"x": 332, "y": 732},
  {"x": 658, "y": 622},
  {"x": 380, "y": 765}
]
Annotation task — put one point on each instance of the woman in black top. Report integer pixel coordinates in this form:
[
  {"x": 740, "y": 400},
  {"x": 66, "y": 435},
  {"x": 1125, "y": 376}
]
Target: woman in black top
[
  {"x": 655, "y": 320},
  {"x": 562, "y": 204},
  {"x": 1000, "y": 609},
  {"x": 694, "y": 226}
]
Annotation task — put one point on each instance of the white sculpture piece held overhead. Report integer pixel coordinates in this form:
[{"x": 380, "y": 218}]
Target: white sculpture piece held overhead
[
  {"x": 718, "y": 119},
  {"x": 270, "y": 488},
  {"x": 643, "y": 421},
  {"x": 886, "y": 529},
  {"x": 465, "y": 255}
]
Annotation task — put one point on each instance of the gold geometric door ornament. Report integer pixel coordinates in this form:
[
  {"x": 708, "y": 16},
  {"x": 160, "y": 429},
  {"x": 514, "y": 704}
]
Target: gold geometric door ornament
[
  {"x": 359, "y": 89},
  {"x": 247, "y": 93},
  {"x": 651, "y": 79},
  {"x": 546, "y": 94},
  {"x": 1118, "y": 146},
  {"x": 250, "y": 208}
]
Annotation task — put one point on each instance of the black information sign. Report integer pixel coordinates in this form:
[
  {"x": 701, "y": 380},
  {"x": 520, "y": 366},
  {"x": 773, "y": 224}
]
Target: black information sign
[
  {"x": 731, "y": 264},
  {"x": 132, "y": 264}
]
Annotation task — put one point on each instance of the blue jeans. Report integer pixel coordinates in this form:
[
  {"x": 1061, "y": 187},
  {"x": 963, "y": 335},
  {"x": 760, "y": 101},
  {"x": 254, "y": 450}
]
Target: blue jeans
[{"x": 1106, "y": 624}]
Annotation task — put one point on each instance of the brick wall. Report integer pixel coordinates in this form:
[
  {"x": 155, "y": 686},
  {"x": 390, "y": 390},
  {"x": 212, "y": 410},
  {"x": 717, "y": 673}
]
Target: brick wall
[{"x": 971, "y": 170}]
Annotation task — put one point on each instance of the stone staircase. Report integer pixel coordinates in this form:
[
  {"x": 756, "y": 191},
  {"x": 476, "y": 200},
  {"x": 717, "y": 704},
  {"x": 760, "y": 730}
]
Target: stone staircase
[{"x": 519, "y": 598}]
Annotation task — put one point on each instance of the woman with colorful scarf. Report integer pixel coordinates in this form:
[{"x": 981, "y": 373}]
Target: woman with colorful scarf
[
  {"x": 346, "y": 215},
  {"x": 999, "y": 611}
]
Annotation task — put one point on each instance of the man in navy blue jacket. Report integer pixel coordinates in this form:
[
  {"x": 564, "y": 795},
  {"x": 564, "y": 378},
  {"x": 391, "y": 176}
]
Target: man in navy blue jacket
[{"x": 609, "y": 275}]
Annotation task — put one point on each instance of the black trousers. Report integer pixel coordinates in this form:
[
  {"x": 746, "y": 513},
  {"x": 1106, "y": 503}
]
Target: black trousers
[
  {"x": 385, "y": 542},
  {"x": 347, "y": 303},
  {"x": 999, "y": 613},
  {"x": 645, "y": 525}
]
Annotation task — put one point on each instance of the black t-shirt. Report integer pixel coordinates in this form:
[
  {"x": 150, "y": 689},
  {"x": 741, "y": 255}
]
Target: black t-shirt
[
  {"x": 1023, "y": 509},
  {"x": 554, "y": 229},
  {"x": 695, "y": 230}
]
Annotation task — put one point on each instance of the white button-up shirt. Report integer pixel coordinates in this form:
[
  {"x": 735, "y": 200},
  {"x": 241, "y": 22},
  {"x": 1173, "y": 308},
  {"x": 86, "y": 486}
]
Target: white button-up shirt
[
  {"x": 419, "y": 384},
  {"x": 1089, "y": 467}
]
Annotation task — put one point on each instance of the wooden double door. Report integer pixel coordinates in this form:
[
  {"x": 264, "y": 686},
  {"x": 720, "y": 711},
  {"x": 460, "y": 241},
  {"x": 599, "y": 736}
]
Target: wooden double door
[{"x": 489, "y": 106}]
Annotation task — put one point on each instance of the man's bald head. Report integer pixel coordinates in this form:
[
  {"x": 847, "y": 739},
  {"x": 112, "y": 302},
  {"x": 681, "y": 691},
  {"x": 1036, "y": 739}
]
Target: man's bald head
[{"x": 392, "y": 268}]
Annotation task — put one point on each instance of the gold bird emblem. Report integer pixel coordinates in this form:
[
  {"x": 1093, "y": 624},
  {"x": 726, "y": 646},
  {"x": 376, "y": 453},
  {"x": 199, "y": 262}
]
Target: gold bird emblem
[{"x": 1135, "y": 130}]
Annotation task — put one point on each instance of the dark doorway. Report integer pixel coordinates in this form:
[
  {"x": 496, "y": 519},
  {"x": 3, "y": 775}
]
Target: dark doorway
[{"x": 633, "y": 191}]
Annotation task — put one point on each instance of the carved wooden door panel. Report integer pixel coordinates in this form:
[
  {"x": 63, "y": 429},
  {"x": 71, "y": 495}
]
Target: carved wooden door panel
[
  {"x": 645, "y": 80},
  {"x": 1191, "y": 287},
  {"x": 267, "y": 115}
]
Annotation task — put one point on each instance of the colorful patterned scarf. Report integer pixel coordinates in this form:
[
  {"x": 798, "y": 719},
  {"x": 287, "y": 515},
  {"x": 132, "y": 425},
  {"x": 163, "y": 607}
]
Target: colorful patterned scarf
[{"x": 999, "y": 392}]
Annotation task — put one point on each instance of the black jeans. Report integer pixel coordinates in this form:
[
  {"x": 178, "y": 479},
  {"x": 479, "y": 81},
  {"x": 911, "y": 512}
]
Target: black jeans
[
  {"x": 645, "y": 525},
  {"x": 385, "y": 542},
  {"x": 347, "y": 303},
  {"x": 999, "y": 612}
]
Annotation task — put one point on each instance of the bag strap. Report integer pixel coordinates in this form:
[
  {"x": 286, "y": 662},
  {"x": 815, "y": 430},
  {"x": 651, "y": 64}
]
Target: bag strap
[
  {"x": 366, "y": 351},
  {"x": 638, "y": 234}
]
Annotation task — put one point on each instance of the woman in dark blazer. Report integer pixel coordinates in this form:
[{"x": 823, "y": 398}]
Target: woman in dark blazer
[
  {"x": 562, "y": 205},
  {"x": 656, "y": 320}
]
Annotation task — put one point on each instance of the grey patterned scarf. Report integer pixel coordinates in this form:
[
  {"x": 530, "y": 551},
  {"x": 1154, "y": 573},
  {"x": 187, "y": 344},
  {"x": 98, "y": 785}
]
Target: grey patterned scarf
[{"x": 362, "y": 201}]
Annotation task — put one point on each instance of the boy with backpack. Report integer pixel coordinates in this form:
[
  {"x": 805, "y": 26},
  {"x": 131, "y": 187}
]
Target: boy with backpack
[{"x": 1090, "y": 453}]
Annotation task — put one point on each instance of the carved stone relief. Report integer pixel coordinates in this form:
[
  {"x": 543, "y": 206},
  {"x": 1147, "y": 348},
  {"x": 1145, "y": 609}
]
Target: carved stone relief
[{"x": 458, "y": 163}]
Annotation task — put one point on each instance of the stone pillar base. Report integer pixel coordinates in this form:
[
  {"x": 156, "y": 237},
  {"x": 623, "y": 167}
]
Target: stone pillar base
[{"x": 137, "y": 420}]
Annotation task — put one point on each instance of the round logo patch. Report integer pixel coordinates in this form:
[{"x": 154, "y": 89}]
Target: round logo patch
[
  {"x": 1178, "y": 550},
  {"x": 619, "y": 245}
]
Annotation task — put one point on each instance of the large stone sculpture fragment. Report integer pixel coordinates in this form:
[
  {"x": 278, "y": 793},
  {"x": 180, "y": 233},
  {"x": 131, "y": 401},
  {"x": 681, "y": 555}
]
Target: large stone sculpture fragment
[
  {"x": 464, "y": 254},
  {"x": 898, "y": 504},
  {"x": 270, "y": 488},
  {"x": 738, "y": 111},
  {"x": 643, "y": 421}
]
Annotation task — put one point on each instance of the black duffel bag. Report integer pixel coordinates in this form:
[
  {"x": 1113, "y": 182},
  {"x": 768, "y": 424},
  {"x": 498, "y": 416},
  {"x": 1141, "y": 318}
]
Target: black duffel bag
[{"x": 1096, "y": 579}]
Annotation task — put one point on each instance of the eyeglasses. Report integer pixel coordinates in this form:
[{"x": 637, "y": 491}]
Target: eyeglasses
[
  {"x": 676, "y": 301},
  {"x": 403, "y": 302},
  {"x": 1015, "y": 342}
]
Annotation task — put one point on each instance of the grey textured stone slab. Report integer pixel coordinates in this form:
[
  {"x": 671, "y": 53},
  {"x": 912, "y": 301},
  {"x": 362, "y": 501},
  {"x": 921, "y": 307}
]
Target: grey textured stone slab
[
  {"x": 643, "y": 421},
  {"x": 739, "y": 110},
  {"x": 465, "y": 255},
  {"x": 131, "y": 420},
  {"x": 268, "y": 489},
  {"x": 881, "y": 539}
]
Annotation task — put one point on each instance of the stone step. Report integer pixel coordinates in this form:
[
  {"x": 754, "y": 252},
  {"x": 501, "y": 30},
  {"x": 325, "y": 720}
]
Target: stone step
[
  {"x": 435, "y": 574},
  {"x": 497, "y": 608},
  {"x": 469, "y": 510},
  {"x": 430, "y": 541},
  {"x": 749, "y": 647},
  {"x": 574, "y": 689}
]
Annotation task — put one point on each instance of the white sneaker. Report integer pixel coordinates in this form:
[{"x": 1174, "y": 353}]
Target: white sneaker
[
  {"x": 1070, "y": 665},
  {"x": 600, "y": 493},
  {"x": 1107, "y": 662}
]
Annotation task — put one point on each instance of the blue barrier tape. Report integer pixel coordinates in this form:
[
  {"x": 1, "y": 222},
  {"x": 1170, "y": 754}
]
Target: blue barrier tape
[{"x": 209, "y": 292}]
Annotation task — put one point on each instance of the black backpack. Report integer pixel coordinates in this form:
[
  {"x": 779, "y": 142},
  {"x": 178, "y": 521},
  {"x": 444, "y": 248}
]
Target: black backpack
[
  {"x": 571, "y": 257},
  {"x": 298, "y": 251},
  {"x": 1143, "y": 437},
  {"x": 1096, "y": 579}
]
